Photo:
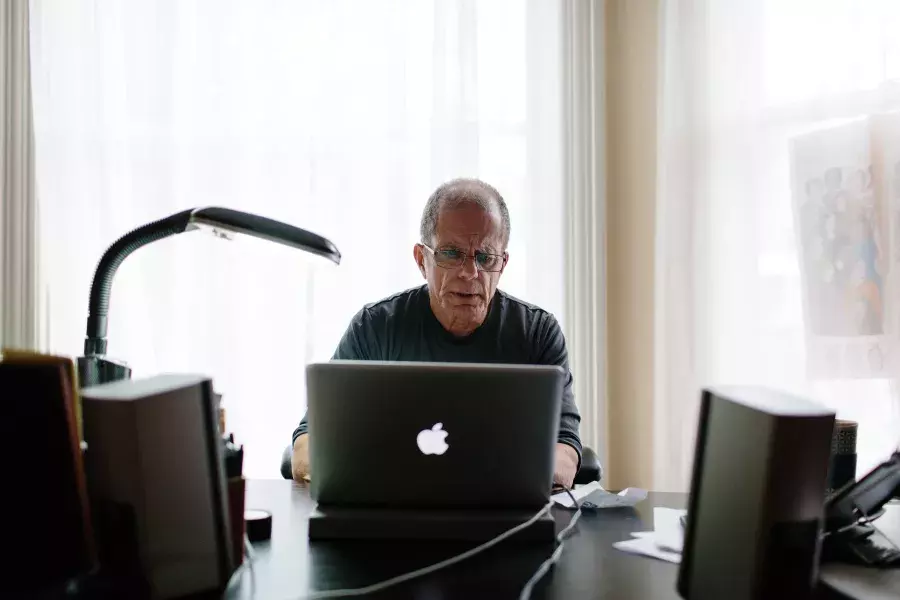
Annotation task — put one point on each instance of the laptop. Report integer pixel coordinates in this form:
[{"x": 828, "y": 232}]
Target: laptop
[{"x": 432, "y": 435}]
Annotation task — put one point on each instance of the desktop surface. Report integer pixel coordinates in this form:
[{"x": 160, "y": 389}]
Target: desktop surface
[{"x": 290, "y": 566}]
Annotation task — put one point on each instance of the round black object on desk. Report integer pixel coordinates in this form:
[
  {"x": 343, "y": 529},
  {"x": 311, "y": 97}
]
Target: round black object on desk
[{"x": 258, "y": 524}]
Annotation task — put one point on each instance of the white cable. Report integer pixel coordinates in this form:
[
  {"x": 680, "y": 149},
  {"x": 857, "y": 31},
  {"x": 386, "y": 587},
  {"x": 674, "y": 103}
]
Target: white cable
[
  {"x": 251, "y": 557},
  {"x": 232, "y": 581},
  {"x": 561, "y": 538},
  {"x": 245, "y": 566},
  {"x": 377, "y": 587}
]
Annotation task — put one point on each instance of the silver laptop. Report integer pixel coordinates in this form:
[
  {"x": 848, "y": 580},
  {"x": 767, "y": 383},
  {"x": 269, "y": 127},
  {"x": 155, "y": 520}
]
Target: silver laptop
[{"x": 432, "y": 435}]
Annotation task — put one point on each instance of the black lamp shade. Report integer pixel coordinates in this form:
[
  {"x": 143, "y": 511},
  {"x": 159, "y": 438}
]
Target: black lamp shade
[{"x": 93, "y": 368}]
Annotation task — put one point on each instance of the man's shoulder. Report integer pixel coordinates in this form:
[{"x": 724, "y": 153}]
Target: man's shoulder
[
  {"x": 394, "y": 305},
  {"x": 531, "y": 312}
]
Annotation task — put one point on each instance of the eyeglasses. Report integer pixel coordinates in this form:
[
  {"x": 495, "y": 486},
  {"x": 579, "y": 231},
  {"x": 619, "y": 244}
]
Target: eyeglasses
[{"x": 451, "y": 258}]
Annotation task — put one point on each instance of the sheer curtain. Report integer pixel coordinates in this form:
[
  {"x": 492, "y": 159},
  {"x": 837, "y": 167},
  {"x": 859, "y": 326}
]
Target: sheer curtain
[
  {"x": 339, "y": 117},
  {"x": 775, "y": 212},
  {"x": 19, "y": 299}
]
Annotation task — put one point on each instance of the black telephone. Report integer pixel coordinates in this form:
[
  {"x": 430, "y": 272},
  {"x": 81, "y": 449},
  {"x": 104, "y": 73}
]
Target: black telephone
[{"x": 850, "y": 512}]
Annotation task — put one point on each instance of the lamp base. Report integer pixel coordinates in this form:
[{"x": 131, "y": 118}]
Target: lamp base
[{"x": 94, "y": 370}]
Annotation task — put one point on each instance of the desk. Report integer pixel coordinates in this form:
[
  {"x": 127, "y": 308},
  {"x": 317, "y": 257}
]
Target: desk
[{"x": 288, "y": 566}]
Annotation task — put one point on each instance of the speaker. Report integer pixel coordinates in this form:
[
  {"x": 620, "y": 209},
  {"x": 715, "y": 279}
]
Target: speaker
[
  {"x": 757, "y": 496},
  {"x": 156, "y": 480},
  {"x": 47, "y": 531}
]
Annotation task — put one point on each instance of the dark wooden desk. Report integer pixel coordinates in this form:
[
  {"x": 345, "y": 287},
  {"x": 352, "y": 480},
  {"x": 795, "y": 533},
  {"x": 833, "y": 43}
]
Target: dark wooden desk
[{"x": 289, "y": 566}]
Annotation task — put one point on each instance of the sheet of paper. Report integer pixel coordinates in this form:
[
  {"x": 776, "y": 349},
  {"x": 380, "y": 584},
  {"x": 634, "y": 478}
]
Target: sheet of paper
[
  {"x": 667, "y": 529},
  {"x": 593, "y": 495},
  {"x": 668, "y": 543},
  {"x": 666, "y": 540},
  {"x": 646, "y": 546}
]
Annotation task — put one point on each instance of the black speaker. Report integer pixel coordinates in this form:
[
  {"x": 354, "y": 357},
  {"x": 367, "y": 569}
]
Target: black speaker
[
  {"x": 156, "y": 480},
  {"x": 757, "y": 498}
]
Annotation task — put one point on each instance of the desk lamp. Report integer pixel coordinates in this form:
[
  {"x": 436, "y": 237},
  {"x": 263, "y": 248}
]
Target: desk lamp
[{"x": 94, "y": 368}]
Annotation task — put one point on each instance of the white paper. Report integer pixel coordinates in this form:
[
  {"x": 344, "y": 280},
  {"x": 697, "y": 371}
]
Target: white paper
[
  {"x": 646, "y": 546},
  {"x": 666, "y": 540},
  {"x": 669, "y": 543},
  {"x": 667, "y": 529},
  {"x": 600, "y": 498}
]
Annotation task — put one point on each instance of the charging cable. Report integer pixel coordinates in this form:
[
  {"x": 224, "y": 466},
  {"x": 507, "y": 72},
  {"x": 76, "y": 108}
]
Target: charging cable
[
  {"x": 542, "y": 570},
  {"x": 554, "y": 558},
  {"x": 245, "y": 567}
]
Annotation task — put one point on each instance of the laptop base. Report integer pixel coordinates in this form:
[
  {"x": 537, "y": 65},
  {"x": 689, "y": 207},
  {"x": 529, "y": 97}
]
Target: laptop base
[{"x": 346, "y": 523}]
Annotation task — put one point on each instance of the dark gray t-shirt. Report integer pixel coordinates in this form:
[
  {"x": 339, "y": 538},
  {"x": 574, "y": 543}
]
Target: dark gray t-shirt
[{"x": 403, "y": 328}]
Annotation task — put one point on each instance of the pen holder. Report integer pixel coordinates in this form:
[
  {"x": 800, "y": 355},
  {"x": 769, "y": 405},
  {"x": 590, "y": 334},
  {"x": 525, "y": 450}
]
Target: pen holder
[
  {"x": 842, "y": 462},
  {"x": 236, "y": 514}
]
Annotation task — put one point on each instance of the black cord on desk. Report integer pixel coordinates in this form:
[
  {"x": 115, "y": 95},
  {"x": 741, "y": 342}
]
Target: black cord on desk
[
  {"x": 866, "y": 519},
  {"x": 844, "y": 542}
]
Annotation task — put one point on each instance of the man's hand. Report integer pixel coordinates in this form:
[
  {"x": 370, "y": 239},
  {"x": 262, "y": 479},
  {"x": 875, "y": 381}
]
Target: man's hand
[
  {"x": 565, "y": 466},
  {"x": 300, "y": 459}
]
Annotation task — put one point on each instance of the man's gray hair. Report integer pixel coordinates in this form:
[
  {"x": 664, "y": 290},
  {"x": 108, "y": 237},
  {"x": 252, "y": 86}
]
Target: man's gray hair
[{"x": 461, "y": 191}]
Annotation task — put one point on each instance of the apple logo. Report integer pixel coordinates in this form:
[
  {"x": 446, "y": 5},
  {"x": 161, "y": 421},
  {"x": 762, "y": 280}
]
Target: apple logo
[{"x": 431, "y": 441}]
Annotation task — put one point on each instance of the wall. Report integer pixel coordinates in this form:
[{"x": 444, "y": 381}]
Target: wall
[{"x": 631, "y": 114}]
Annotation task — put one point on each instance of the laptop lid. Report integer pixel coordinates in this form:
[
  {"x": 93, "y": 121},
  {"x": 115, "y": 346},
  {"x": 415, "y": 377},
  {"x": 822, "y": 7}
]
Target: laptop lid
[{"x": 447, "y": 435}]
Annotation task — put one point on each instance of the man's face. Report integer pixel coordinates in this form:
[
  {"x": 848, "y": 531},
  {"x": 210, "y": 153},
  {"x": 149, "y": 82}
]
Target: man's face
[{"x": 460, "y": 296}]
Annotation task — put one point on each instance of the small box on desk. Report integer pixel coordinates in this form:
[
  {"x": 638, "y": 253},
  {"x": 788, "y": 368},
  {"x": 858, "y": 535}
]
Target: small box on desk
[{"x": 154, "y": 466}]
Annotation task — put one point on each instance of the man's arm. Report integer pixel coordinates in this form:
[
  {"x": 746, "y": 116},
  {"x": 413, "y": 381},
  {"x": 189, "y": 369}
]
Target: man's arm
[
  {"x": 565, "y": 465},
  {"x": 552, "y": 351},
  {"x": 356, "y": 344},
  {"x": 300, "y": 458}
]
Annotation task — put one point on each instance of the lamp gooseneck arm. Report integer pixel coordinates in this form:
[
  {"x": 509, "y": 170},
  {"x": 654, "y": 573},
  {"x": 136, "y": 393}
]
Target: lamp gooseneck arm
[{"x": 98, "y": 307}]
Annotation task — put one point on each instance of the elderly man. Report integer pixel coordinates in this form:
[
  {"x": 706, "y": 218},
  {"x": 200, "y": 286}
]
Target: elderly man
[{"x": 460, "y": 315}]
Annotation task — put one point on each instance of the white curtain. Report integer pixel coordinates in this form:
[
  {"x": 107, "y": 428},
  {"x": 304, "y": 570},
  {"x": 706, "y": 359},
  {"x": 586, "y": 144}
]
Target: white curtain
[
  {"x": 339, "y": 117},
  {"x": 19, "y": 288},
  {"x": 757, "y": 100},
  {"x": 583, "y": 134}
]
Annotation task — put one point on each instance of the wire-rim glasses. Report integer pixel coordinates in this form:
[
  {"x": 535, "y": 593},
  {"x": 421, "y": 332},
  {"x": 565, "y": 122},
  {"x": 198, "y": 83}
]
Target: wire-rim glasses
[{"x": 452, "y": 258}]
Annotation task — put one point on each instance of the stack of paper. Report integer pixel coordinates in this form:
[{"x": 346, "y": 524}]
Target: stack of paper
[{"x": 664, "y": 542}]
